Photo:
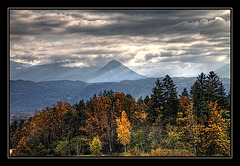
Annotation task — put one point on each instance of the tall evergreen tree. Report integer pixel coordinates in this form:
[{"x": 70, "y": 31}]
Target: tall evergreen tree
[
  {"x": 215, "y": 90},
  {"x": 197, "y": 93},
  {"x": 205, "y": 89},
  {"x": 146, "y": 100},
  {"x": 165, "y": 100},
  {"x": 157, "y": 101},
  {"x": 184, "y": 93},
  {"x": 170, "y": 99}
]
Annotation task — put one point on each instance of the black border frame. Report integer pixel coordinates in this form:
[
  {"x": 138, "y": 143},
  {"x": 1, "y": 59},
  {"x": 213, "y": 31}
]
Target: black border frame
[{"x": 118, "y": 8}]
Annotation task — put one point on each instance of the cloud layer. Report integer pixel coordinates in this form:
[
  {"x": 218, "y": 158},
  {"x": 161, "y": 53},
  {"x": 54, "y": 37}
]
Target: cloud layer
[{"x": 151, "y": 42}]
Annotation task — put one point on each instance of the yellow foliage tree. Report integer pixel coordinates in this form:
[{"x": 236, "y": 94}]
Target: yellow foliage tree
[
  {"x": 209, "y": 138},
  {"x": 123, "y": 129},
  {"x": 187, "y": 122},
  {"x": 216, "y": 140}
]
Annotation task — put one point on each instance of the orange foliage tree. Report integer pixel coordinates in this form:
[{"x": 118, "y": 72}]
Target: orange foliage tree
[
  {"x": 139, "y": 116},
  {"x": 22, "y": 146},
  {"x": 44, "y": 127},
  {"x": 96, "y": 124}
]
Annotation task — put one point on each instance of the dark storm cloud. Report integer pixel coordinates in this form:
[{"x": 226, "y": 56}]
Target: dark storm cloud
[
  {"x": 146, "y": 23},
  {"x": 167, "y": 54},
  {"x": 120, "y": 22},
  {"x": 24, "y": 22}
]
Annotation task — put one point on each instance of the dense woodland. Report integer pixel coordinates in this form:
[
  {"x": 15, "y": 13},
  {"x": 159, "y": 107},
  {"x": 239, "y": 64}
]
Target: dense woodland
[{"x": 195, "y": 123}]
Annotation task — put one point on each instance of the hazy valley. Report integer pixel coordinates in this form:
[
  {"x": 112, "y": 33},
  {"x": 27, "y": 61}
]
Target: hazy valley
[{"x": 36, "y": 87}]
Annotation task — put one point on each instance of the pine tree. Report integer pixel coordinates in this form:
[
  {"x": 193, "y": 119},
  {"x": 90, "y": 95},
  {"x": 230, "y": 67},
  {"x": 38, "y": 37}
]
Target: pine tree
[
  {"x": 80, "y": 117},
  {"x": 146, "y": 100},
  {"x": 70, "y": 126},
  {"x": 206, "y": 89},
  {"x": 157, "y": 100},
  {"x": 197, "y": 93},
  {"x": 184, "y": 92},
  {"x": 165, "y": 101},
  {"x": 170, "y": 99},
  {"x": 215, "y": 90}
]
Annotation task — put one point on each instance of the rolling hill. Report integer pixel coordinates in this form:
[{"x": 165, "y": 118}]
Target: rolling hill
[{"x": 27, "y": 96}]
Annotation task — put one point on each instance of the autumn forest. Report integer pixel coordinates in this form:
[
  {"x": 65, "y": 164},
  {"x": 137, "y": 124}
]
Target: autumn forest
[{"x": 193, "y": 123}]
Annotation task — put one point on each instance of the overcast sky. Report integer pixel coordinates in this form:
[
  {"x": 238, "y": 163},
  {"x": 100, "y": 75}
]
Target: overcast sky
[{"x": 151, "y": 42}]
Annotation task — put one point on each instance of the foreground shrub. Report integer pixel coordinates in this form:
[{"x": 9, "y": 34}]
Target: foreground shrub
[
  {"x": 170, "y": 152},
  {"x": 134, "y": 152},
  {"x": 95, "y": 146}
]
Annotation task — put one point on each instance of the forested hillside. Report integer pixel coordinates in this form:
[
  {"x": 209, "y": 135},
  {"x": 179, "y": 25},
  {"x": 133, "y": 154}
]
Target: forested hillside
[
  {"x": 112, "y": 123},
  {"x": 27, "y": 96}
]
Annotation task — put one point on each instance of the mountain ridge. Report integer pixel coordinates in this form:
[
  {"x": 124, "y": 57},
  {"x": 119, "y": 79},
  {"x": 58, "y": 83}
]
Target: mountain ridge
[
  {"x": 28, "y": 96},
  {"x": 113, "y": 71}
]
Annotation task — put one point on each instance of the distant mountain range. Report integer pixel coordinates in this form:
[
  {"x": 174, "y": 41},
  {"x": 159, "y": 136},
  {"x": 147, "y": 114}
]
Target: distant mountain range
[
  {"x": 49, "y": 72},
  {"x": 27, "y": 96},
  {"x": 113, "y": 71},
  {"x": 35, "y": 87}
]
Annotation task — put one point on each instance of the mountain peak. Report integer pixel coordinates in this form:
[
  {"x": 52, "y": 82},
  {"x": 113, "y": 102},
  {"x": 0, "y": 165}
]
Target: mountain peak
[
  {"x": 114, "y": 62},
  {"x": 114, "y": 71},
  {"x": 111, "y": 65}
]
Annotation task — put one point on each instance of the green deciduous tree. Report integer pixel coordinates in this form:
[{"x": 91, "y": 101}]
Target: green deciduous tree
[{"x": 95, "y": 146}]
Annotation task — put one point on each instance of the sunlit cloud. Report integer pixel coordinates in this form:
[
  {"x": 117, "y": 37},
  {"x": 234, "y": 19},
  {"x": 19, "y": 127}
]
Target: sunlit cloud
[{"x": 152, "y": 43}]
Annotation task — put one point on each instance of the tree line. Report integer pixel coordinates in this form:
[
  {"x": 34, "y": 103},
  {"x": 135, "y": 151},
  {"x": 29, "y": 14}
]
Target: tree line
[{"x": 195, "y": 123}]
